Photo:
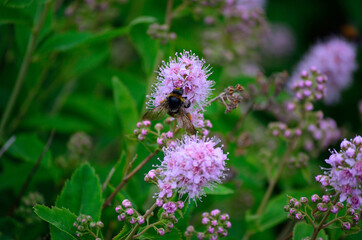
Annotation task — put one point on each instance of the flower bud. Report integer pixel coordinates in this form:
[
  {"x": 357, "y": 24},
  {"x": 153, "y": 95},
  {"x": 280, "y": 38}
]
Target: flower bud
[
  {"x": 315, "y": 198},
  {"x": 161, "y": 231},
  {"x": 158, "y": 127}
]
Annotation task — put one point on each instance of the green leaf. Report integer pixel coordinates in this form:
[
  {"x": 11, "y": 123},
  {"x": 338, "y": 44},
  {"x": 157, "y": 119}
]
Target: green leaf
[
  {"x": 62, "y": 219},
  {"x": 83, "y": 193},
  {"x": 355, "y": 236},
  {"x": 16, "y": 3},
  {"x": 61, "y": 123},
  {"x": 102, "y": 112},
  {"x": 144, "y": 44},
  {"x": 175, "y": 234},
  {"x": 15, "y": 16},
  {"x": 219, "y": 190},
  {"x": 306, "y": 174},
  {"x": 303, "y": 230},
  {"x": 28, "y": 147},
  {"x": 126, "y": 229},
  {"x": 274, "y": 213},
  {"x": 69, "y": 40},
  {"x": 64, "y": 41},
  {"x": 125, "y": 105}
]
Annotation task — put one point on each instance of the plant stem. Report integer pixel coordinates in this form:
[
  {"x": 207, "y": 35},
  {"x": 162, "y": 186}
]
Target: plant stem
[
  {"x": 126, "y": 179},
  {"x": 31, "y": 94},
  {"x": 332, "y": 221},
  {"x": 147, "y": 214},
  {"x": 146, "y": 228},
  {"x": 30, "y": 176},
  {"x": 275, "y": 179},
  {"x": 24, "y": 66},
  {"x": 321, "y": 224},
  {"x": 168, "y": 17}
]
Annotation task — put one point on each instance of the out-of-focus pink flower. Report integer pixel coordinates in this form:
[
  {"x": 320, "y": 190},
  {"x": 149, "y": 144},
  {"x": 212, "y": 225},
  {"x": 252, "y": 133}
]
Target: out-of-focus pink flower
[{"x": 335, "y": 58}]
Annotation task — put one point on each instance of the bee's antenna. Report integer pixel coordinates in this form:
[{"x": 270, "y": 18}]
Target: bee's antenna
[{"x": 184, "y": 84}]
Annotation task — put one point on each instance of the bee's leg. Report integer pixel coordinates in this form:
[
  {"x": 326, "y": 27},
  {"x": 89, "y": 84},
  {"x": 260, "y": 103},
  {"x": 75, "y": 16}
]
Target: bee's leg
[{"x": 187, "y": 105}]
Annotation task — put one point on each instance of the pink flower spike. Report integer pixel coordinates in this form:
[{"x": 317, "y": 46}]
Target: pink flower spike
[{"x": 188, "y": 72}]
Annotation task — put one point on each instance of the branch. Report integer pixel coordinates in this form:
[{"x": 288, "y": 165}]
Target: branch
[
  {"x": 33, "y": 171},
  {"x": 126, "y": 179}
]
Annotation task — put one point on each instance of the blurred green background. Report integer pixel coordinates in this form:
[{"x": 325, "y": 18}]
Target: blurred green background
[{"x": 68, "y": 87}]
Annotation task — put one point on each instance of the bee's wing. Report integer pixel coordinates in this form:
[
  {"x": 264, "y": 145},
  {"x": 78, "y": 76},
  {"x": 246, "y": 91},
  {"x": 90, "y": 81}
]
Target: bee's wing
[
  {"x": 157, "y": 113},
  {"x": 185, "y": 121}
]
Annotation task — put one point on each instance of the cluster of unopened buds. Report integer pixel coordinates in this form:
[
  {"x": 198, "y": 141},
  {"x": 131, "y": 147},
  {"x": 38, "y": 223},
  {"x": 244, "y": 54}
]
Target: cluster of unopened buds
[
  {"x": 216, "y": 225},
  {"x": 161, "y": 31},
  {"x": 231, "y": 97},
  {"x": 144, "y": 128},
  {"x": 324, "y": 131},
  {"x": 85, "y": 225},
  {"x": 345, "y": 175},
  {"x": 127, "y": 213},
  {"x": 167, "y": 217},
  {"x": 279, "y": 129},
  {"x": 299, "y": 161},
  {"x": 25, "y": 210},
  {"x": 309, "y": 88},
  {"x": 345, "y": 216}
]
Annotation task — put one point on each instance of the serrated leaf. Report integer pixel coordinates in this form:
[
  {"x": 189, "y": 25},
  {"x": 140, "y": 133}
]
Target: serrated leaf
[
  {"x": 28, "y": 147},
  {"x": 126, "y": 229},
  {"x": 82, "y": 194},
  {"x": 62, "y": 219},
  {"x": 125, "y": 105},
  {"x": 219, "y": 190},
  {"x": 303, "y": 230}
]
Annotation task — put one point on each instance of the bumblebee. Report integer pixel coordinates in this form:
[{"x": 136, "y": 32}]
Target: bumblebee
[{"x": 174, "y": 105}]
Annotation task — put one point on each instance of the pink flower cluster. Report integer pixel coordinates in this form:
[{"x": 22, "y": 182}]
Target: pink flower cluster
[
  {"x": 337, "y": 59},
  {"x": 216, "y": 226},
  {"x": 345, "y": 176},
  {"x": 190, "y": 165},
  {"x": 127, "y": 213},
  {"x": 188, "y": 72},
  {"x": 85, "y": 226},
  {"x": 297, "y": 209},
  {"x": 310, "y": 87},
  {"x": 324, "y": 131},
  {"x": 247, "y": 13}
]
